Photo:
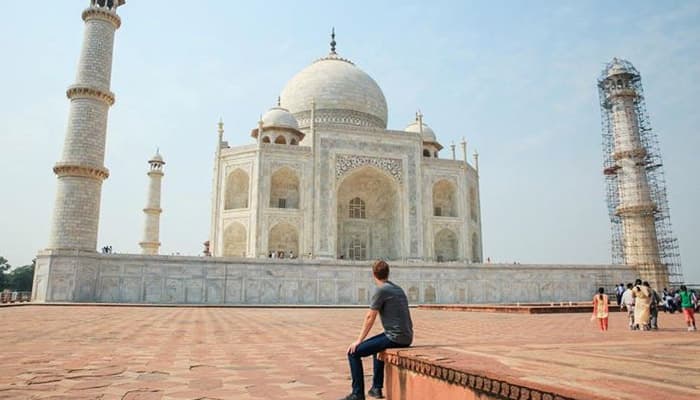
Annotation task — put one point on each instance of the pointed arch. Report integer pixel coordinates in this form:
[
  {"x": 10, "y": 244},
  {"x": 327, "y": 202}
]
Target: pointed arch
[
  {"x": 376, "y": 233},
  {"x": 446, "y": 245},
  {"x": 284, "y": 189},
  {"x": 444, "y": 199},
  {"x": 236, "y": 194},
  {"x": 235, "y": 240},
  {"x": 283, "y": 237}
]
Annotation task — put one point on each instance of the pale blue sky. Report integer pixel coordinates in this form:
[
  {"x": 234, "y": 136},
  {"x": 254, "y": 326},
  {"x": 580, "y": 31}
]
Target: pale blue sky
[{"x": 518, "y": 79}]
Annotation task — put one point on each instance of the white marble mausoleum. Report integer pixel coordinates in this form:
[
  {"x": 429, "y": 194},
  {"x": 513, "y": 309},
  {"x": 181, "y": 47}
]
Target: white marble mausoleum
[{"x": 325, "y": 178}]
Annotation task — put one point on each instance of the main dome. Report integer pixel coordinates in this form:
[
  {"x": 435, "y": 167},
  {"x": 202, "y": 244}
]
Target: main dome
[{"x": 342, "y": 93}]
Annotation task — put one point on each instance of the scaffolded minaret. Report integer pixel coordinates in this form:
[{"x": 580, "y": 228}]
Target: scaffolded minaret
[
  {"x": 81, "y": 169},
  {"x": 636, "y": 190},
  {"x": 151, "y": 228}
]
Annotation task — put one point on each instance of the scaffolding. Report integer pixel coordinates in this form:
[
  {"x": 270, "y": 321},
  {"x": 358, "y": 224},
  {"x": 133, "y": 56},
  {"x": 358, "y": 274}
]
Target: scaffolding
[{"x": 652, "y": 163}]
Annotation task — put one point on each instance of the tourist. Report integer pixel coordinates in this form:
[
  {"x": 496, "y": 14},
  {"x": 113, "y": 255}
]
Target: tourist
[
  {"x": 653, "y": 307},
  {"x": 642, "y": 304},
  {"x": 390, "y": 302},
  {"x": 628, "y": 303},
  {"x": 600, "y": 309},
  {"x": 688, "y": 307},
  {"x": 619, "y": 290},
  {"x": 669, "y": 305}
]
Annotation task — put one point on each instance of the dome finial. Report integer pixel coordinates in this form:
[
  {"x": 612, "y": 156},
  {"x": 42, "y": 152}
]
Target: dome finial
[
  {"x": 333, "y": 40},
  {"x": 279, "y": 101}
]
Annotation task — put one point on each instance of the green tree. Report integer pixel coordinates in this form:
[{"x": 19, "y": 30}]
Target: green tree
[
  {"x": 4, "y": 278},
  {"x": 21, "y": 278}
]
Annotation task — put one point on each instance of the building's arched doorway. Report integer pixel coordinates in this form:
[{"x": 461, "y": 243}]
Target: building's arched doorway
[
  {"x": 446, "y": 246},
  {"x": 368, "y": 216},
  {"x": 236, "y": 190},
  {"x": 284, "y": 189},
  {"x": 235, "y": 240},
  {"x": 444, "y": 199},
  {"x": 284, "y": 237}
]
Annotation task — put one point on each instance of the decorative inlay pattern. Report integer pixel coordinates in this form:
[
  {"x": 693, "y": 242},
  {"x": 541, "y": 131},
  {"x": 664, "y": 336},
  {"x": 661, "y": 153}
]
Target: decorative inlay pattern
[
  {"x": 345, "y": 163},
  {"x": 294, "y": 221},
  {"x": 344, "y": 117}
]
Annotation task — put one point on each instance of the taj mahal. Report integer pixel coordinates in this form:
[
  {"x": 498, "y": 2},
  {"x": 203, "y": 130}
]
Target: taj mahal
[
  {"x": 323, "y": 187},
  {"x": 326, "y": 179}
]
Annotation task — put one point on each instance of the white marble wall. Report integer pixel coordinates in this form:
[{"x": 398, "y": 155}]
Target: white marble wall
[{"x": 63, "y": 276}]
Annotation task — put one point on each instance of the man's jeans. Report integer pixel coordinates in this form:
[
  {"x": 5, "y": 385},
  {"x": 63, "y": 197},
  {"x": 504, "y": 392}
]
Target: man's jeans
[{"x": 371, "y": 346}]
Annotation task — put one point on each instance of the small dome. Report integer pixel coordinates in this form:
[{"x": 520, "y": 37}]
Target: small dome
[
  {"x": 157, "y": 158},
  {"x": 618, "y": 67},
  {"x": 339, "y": 89},
  {"x": 279, "y": 117},
  {"x": 428, "y": 133}
]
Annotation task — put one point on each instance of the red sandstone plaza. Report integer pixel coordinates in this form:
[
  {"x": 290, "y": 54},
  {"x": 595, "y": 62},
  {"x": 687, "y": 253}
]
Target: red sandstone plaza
[{"x": 123, "y": 352}]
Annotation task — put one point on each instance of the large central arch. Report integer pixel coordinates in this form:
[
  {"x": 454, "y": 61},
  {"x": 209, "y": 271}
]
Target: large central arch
[{"x": 369, "y": 216}]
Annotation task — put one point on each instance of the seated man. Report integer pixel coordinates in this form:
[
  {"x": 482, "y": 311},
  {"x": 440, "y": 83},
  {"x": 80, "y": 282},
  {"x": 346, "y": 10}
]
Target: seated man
[{"x": 392, "y": 305}]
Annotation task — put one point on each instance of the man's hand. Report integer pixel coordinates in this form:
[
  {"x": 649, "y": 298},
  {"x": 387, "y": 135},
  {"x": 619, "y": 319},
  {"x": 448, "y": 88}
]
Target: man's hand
[{"x": 353, "y": 346}]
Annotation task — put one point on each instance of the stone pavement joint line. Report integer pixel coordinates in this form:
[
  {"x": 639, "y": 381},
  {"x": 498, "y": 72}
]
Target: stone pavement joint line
[{"x": 144, "y": 353}]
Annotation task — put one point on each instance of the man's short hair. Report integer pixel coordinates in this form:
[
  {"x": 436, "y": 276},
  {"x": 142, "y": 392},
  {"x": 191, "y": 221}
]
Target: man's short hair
[{"x": 380, "y": 270}]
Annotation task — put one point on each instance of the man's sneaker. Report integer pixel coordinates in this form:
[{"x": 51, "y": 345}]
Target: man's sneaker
[
  {"x": 376, "y": 393},
  {"x": 353, "y": 396},
  {"x": 690, "y": 329}
]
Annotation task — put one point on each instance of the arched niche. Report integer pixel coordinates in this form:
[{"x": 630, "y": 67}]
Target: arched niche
[
  {"x": 372, "y": 229},
  {"x": 446, "y": 245},
  {"x": 236, "y": 195},
  {"x": 284, "y": 237},
  {"x": 284, "y": 189},
  {"x": 444, "y": 199},
  {"x": 235, "y": 240}
]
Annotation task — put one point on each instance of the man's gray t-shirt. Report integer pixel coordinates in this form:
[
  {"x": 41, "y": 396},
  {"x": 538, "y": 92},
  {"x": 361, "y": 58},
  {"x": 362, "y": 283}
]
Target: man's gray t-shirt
[{"x": 392, "y": 304}]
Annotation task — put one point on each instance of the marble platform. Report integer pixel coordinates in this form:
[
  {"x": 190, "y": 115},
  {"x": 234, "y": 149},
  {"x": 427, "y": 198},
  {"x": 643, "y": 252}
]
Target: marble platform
[{"x": 127, "y": 278}]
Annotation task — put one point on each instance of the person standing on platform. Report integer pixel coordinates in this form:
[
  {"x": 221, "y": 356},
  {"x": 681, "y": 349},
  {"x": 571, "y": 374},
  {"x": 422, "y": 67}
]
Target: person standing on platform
[
  {"x": 653, "y": 308},
  {"x": 642, "y": 304},
  {"x": 628, "y": 303},
  {"x": 600, "y": 309},
  {"x": 619, "y": 290},
  {"x": 688, "y": 307}
]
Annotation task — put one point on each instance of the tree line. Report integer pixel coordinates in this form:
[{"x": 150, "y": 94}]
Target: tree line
[{"x": 18, "y": 279}]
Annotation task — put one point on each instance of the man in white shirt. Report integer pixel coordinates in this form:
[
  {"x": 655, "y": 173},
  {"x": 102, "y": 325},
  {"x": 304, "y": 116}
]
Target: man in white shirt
[{"x": 627, "y": 302}]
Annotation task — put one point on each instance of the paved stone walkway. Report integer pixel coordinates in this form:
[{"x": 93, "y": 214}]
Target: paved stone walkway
[{"x": 144, "y": 353}]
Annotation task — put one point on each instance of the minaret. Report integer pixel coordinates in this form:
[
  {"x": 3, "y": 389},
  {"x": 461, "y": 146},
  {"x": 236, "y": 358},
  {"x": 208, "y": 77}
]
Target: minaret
[
  {"x": 151, "y": 228},
  {"x": 629, "y": 165},
  {"x": 81, "y": 169}
]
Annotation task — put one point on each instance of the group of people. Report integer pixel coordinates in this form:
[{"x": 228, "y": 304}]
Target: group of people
[
  {"x": 642, "y": 303},
  {"x": 673, "y": 300},
  {"x": 281, "y": 254}
]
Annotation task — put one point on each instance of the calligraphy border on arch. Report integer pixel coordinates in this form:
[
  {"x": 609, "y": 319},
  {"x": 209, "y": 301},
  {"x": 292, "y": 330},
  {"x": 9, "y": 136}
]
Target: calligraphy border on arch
[{"x": 345, "y": 163}]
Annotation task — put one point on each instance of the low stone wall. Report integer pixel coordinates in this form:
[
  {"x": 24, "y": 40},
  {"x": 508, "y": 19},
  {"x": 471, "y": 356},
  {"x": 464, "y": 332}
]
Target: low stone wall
[
  {"x": 62, "y": 276},
  {"x": 410, "y": 378}
]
